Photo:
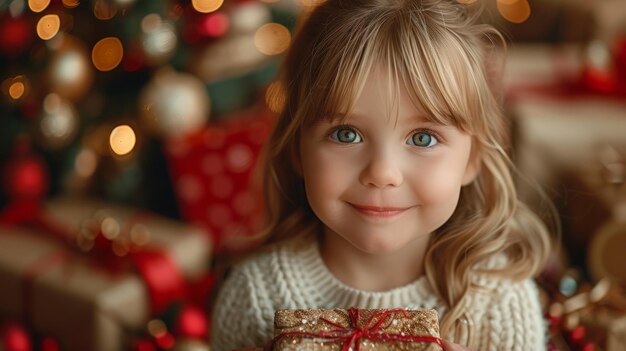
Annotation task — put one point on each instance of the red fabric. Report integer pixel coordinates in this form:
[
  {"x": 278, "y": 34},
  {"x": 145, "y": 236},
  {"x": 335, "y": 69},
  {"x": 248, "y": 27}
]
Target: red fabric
[{"x": 213, "y": 174}]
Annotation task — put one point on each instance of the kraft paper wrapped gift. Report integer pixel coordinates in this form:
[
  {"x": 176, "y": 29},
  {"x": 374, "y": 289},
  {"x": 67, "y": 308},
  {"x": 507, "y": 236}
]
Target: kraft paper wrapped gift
[
  {"x": 67, "y": 295},
  {"x": 356, "y": 329}
]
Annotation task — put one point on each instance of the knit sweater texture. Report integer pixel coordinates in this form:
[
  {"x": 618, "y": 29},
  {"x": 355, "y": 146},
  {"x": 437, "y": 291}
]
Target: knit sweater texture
[{"x": 503, "y": 314}]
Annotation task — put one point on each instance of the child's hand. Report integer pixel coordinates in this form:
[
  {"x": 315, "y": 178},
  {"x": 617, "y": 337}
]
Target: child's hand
[{"x": 450, "y": 346}]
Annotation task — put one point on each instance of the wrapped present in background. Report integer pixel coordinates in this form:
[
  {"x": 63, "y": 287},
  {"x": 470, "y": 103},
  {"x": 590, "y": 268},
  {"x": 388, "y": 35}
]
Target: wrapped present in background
[
  {"x": 216, "y": 178},
  {"x": 356, "y": 329},
  {"x": 58, "y": 276},
  {"x": 588, "y": 317}
]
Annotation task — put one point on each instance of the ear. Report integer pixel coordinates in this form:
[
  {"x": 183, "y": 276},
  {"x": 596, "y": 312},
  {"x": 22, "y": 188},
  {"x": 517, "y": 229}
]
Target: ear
[{"x": 473, "y": 165}]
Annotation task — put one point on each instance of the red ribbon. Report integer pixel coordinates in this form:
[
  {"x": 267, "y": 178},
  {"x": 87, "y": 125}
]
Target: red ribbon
[{"x": 353, "y": 333}]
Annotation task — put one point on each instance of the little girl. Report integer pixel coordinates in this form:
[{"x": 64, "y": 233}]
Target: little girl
[{"x": 387, "y": 184}]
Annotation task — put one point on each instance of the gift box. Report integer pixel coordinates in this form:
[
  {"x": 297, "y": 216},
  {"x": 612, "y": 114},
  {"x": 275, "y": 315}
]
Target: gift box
[
  {"x": 77, "y": 299},
  {"x": 216, "y": 176},
  {"x": 356, "y": 329}
]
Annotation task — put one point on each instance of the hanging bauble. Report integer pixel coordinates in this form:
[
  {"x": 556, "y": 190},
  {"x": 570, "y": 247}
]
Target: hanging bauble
[
  {"x": 174, "y": 103},
  {"x": 24, "y": 174},
  {"x": 229, "y": 56},
  {"x": 191, "y": 345},
  {"x": 17, "y": 35},
  {"x": 192, "y": 323},
  {"x": 158, "y": 39},
  {"x": 58, "y": 124},
  {"x": 15, "y": 337},
  {"x": 70, "y": 72},
  {"x": 248, "y": 17},
  {"x": 49, "y": 344}
]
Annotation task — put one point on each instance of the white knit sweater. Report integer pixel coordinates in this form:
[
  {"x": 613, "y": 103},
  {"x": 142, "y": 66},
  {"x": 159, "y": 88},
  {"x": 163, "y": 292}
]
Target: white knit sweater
[{"x": 505, "y": 315}]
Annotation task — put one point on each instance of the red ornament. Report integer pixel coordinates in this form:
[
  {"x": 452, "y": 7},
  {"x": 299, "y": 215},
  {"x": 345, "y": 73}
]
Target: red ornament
[
  {"x": 192, "y": 323},
  {"x": 214, "y": 25},
  {"x": 165, "y": 341},
  {"x": 50, "y": 344},
  {"x": 25, "y": 176},
  {"x": 16, "y": 35},
  {"x": 143, "y": 345},
  {"x": 15, "y": 338}
]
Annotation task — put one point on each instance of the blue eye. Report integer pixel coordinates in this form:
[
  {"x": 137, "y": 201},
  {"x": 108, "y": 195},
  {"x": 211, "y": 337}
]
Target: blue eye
[
  {"x": 345, "y": 135},
  {"x": 422, "y": 139}
]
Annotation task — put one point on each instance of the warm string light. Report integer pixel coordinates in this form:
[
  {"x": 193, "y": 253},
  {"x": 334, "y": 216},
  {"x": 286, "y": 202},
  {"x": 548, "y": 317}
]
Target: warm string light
[
  {"x": 38, "y": 5},
  {"x": 206, "y": 6},
  {"x": 515, "y": 11},
  {"x": 107, "y": 54},
  {"x": 104, "y": 10},
  {"x": 86, "y": 163},
  {"x": 16, "y": 88},
  {"x": 122, "y": 140},
  {"x": 272, "y": 39},
  {"x": 275, "y": 97},
  {"x": 70, "y": 4},
  {"x": 48, "y": 26}
]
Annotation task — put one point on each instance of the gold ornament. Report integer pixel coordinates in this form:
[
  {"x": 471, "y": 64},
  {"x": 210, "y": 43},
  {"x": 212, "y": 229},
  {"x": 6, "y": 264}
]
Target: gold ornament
[
  {"x": 70, "y": 73},
  {"x": 174, "y": 103},
  {"x": 58, "y": 123}
]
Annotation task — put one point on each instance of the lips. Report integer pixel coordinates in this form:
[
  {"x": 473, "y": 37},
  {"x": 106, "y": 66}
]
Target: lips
[{"x": 379, "y": 211}]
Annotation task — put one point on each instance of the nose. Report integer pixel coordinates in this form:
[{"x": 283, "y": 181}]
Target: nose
[{"x": 383, "y": 169}]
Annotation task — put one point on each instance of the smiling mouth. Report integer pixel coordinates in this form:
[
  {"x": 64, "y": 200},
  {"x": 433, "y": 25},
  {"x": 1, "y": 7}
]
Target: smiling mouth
[{"x": 379, "y": 212}]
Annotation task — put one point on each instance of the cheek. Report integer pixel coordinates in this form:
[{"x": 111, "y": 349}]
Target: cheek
[
  {"x": 440, "y": 183},
  {"x": 326, "y": 174}
]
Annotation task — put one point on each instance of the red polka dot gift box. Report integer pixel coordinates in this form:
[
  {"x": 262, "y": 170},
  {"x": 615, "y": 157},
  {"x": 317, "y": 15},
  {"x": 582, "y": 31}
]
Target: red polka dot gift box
[{"x": 216, "y": 177}]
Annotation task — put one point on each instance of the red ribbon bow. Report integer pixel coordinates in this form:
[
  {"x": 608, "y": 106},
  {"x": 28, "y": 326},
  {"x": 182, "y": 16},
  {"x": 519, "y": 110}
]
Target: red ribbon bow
[{"x": 353, "y": 333}]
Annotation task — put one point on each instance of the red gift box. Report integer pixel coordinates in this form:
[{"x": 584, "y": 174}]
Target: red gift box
[{"x": 216, "y": 177}]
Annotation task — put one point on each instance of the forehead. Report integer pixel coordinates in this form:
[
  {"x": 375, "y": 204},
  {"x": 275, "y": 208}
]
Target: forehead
[{"x": 382, "y": 94}]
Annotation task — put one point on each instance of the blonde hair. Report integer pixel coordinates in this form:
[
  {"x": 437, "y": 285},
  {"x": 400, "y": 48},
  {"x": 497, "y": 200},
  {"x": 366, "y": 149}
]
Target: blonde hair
[{"x": 435, "y": 49}]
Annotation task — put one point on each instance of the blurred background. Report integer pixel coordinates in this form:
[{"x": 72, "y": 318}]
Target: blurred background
[{"x": 130, "y": 131}]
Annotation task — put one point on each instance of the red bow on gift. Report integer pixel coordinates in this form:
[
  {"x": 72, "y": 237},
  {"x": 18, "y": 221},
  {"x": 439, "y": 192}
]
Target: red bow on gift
[{"x": 353, "y": 333}]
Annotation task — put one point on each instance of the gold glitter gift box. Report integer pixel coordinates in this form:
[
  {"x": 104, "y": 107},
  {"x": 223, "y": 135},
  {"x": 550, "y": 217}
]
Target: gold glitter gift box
[{"x": 356, "y": 330}]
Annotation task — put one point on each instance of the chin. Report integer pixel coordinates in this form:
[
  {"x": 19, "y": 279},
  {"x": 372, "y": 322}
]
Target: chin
[{"x": 378, "y": 247}]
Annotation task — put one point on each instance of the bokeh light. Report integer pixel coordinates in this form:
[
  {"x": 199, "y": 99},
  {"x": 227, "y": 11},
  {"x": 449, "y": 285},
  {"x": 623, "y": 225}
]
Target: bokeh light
[
  {"x": 70, "y": 72},
  {"x": 70, "y": 4},
  {"x": 275, "y": 97},
  {"x": 150, "y": 22},
  {"x": 38, "y": 5},
  {"x": 206, "y": 6},
  {"x": 48, "y": 26},
  {"x": 107, "y": 54},
  {"x": 122, "y": 140},
  {"x": 58, "y": 123},
  {"x": 16, "y": 88},
  {"x": 156, "y": 328},
  {"x": 104, "y": 10},
  {"x": 515, "y": 12},
  {"x": 86, "y": 163},
  {"x": 215, "y": 25},
  {"x": 272, "y": 39}
]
